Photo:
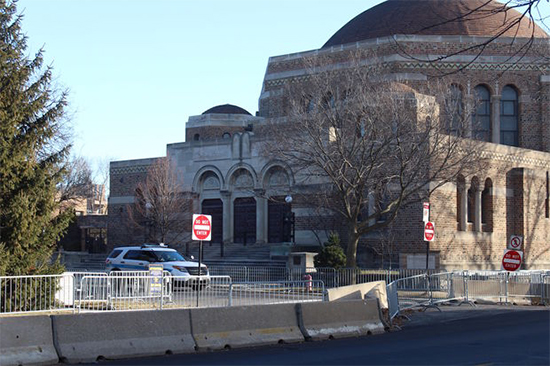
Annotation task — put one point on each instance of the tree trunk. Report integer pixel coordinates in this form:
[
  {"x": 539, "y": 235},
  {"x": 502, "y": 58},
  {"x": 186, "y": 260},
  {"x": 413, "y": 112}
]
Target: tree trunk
[{"x": 351, "y": 252}]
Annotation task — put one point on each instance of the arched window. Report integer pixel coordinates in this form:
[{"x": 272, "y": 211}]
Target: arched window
[
  {"x": 196, "y": 137},
  {"x": 481, "y": 121},
  {"x": 454, "y": 109},
  {"x": 509, "y": 116},
  {"x": 471, "y": 204},
  {"x": 226, "y": 136}
]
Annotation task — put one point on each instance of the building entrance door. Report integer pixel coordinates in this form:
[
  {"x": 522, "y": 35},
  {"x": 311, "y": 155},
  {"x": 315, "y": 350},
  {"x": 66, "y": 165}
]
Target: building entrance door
[
  {"x": 244, "y": 220},
  {"x": 214, "y": 207},
  {"x": 278, "y": 221}
]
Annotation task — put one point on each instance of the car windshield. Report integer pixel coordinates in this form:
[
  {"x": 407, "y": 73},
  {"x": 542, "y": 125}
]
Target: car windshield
[{"x": 168, "y": 256}]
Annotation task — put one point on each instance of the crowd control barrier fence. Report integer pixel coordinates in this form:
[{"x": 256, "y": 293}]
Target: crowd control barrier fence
[
  {"x": 247, "y": 285},
  {"x": 430, "y": 290}
]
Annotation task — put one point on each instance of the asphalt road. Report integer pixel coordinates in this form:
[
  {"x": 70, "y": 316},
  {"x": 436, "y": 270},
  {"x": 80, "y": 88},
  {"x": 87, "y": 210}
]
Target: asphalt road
[{"x": 488, "y": 335}]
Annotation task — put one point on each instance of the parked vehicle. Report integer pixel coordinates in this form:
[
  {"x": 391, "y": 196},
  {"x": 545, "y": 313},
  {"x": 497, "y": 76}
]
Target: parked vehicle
[{"x": 138, "y": 258}]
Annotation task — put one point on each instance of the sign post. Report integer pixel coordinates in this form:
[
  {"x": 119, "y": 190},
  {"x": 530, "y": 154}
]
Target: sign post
[
  {"x": 512, "y": 260},
  {"x": 425, "y": 219},
  {"x": 429, "y": 235},
  {"x": 202, "y": 230}
]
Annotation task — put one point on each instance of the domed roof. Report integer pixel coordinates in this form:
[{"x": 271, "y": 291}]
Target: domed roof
[
  {"x": 226, "y": 109},
  {"x": 435, "y": 17}
]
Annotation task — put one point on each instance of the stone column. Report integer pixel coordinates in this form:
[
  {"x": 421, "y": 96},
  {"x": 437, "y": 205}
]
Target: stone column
[
  {"x": 495, "y": 119},
  {"x": 227, "y": 217},
  {"x": 261, "y": 217}
]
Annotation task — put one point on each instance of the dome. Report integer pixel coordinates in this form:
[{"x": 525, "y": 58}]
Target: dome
[
  {"x": 435, "y": 17},
  {"x": 226, "y": 109}
]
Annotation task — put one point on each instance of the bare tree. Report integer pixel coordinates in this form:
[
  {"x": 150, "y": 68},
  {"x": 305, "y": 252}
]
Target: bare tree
[
  {"x": 160, "y": 205},
  {"x": 77, "y": 183},
  {"x": 101, "y": 179},
  {"x": 370, "y": 146}
]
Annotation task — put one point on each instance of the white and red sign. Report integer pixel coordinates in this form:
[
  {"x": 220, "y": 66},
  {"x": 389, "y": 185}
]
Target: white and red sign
[
  {"x": 429, "y": 231},
  {"x": 515, "y": 242},
  {"x": 202, "y": 227},
  {"x": 426, "y": 212},
  {"x": 512, "y": 260}
]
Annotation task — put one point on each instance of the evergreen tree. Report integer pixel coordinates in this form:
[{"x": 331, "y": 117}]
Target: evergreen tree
[
  {"x": 332, "y": 255},
  {"x": 33, "y": 151}
]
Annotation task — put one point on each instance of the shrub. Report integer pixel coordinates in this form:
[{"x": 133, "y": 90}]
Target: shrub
[{"x": 332, "y": 255}]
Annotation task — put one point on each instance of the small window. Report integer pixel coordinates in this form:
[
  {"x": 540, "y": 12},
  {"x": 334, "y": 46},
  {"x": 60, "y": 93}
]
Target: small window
[
  {"x": 226, "y": 136},
  {"x": 297, "y": 260},
  {"x": 196, "y": 137},
  {"x": 133, "y": 254},
  {"x": 115, "y": 253},
  {"x": 148, "y": 256}
]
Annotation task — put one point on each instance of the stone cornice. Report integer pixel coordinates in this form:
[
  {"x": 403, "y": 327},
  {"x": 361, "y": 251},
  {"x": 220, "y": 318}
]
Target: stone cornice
[
  {"x": 442, "y": 66},
  {"x": 134, "y": 169}
]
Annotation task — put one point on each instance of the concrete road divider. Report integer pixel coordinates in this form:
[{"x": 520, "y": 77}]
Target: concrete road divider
[
  {"x": 88, "y": 337},
  {"x": 26, "y": 340},
  {"x": 326, "y": 320},
  {"x": 242, "y": 326},
  {"x": 376, "y": 289}
]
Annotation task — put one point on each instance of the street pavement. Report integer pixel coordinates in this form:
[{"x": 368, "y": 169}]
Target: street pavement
[{"x": 456, "y": 335}]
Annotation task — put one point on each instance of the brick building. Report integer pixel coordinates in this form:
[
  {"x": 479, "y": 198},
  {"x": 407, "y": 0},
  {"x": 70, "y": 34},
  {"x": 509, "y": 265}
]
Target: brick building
[{"x": 222, "y": 169}]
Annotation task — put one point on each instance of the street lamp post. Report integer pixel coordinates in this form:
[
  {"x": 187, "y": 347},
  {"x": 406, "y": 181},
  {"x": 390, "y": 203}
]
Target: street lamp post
[{"x": 290, "y": 218}]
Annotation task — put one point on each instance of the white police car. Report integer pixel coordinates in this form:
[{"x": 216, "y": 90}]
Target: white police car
[{"x": 138, "y": 258}]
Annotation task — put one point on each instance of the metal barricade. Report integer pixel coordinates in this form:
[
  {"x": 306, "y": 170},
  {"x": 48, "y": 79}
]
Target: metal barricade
[
  {"x": 261, "y": 293},
  {"x": 546, "y": 289},
  {"x": 39, "y": 293},
  {"x": 124, "y": 291},
  {"x": 393, "y": 300},
  {"x": 486, "y": 285},
  {"x": 526, "y": 286},
  {"x": 212, "y": 291}
]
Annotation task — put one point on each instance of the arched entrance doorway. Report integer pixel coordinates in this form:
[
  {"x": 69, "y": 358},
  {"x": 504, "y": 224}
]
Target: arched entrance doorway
[
  {"x": 244, "y": 224},
  {"x": 214, "y": 207}
]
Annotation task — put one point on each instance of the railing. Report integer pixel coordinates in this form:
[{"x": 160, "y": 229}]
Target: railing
[
  {"x": 19, "y": 294},
  {"x": 236, "y": 285},
  {"x": 125, "y": 292},
  {"x": 429, "y": 290},
  {"x": 260, "y": 293},
  {"x": 140, "y": 292},
  {"x": 331, "y": 277}
]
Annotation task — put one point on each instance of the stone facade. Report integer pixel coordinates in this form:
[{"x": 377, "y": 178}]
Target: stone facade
[{"x": 222, "y": 167}]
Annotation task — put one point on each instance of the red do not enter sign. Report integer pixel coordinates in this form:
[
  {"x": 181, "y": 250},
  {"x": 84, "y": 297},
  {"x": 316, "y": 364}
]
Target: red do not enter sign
[
  {"x": 512, "y": 260},
  {"x": 202, "y": 227},
  {"x": 429, "y": 231}
]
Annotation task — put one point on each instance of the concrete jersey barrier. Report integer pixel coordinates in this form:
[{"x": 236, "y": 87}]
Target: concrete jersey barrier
[
  {"x": 26, "y": 340},
  {"x": 376, "y": 289},
  {"x": 325, "y": 320},
  {"x": 87, "y": 337},
  {"x": 242, "y": 326}
]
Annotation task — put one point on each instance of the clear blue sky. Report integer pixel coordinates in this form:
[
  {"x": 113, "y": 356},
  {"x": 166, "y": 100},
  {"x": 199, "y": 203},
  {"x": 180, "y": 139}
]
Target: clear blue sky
[{"x": 136, "y": 70}]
